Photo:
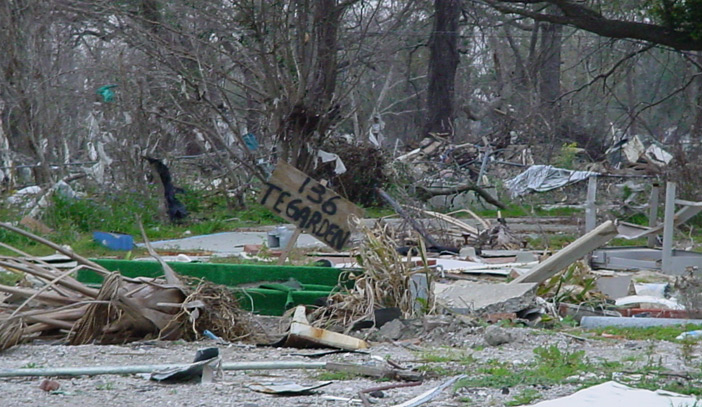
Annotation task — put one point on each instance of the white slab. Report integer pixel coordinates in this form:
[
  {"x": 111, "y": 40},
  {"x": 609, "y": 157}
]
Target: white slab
[
  {"x": 227, "y": 242},
  {"x": 617, "y": 394},
  {"x": 465, "y": 297}
]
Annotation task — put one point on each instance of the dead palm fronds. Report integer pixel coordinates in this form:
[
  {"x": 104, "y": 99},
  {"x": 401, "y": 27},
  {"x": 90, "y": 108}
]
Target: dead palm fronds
[
  {"x": 386, "y": 281},
  {"x": 123, "y": 309}
]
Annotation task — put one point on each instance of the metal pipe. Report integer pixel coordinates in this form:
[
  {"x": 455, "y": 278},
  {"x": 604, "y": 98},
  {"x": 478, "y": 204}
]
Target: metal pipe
[
  {"x": 590, "y": 322},
  {"x": 133, "y": 369}
]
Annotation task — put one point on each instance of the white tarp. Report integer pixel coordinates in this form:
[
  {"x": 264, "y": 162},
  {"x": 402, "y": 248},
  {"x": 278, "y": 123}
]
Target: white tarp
[
  {"x": 617, "y": 394},
  {"x": 542, "y": 178}
]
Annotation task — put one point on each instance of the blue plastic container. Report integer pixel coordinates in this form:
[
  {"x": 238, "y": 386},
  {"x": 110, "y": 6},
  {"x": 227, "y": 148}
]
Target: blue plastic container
[{"x": 114, "y": 241}]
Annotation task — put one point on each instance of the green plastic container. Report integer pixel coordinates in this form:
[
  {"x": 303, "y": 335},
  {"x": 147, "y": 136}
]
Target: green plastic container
[{"x": 274, "y": 299}]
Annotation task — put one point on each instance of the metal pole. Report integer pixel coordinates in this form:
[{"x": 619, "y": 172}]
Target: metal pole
[
  {"x": 133, "y": 369},
  {"x": 590, "y": 207},
  {"x": 668, "y": 228},
  {"x": 653, "y": 213}
]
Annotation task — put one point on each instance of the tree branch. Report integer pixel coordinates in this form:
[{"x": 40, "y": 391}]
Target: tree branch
[{"x": 590, "y": 20}]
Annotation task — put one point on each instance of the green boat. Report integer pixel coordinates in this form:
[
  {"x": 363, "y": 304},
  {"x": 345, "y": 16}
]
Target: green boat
[{"x": 262, "y": 289}]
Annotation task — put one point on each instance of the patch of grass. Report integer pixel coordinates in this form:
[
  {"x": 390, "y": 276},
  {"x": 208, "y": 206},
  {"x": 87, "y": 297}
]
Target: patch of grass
[
  {"x": 32, "y": 365},
  {"x": 257, "y": 213},
  {"x": 105, "y": 386},
  {"x": 437, "y": 356},
  {"x": 438, "y": 370},
  {"x": 516, "y": 211},
  {"x": 495, "y": 375},
  {"x": 378, "y": 212},
  {"x": 9, "y": 278},
  {"x": 526, "y": 396},
  {"x": 554, "y": 364},
  {"x": 658, "y": 333},
  {"x": 551, "y": 365},
  {"x": 633, "y": 242},
  {"x": 466, "y": 401},
  {"x": 16, "y": 240},
  {"x": 74, "y": 220}
]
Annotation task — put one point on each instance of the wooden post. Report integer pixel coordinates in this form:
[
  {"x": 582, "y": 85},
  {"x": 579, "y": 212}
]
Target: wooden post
[
  {"x": 585, "y": 244},
  {"x": 288, "y": 247},
  {"x": 653, "y": 213},
  {"x": 668, "y": 228},
  {"x": 590, "y": 206},
  {"x": 293, "y": 239}
]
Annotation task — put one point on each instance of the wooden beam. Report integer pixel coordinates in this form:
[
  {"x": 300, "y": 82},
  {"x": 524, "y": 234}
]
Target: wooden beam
[{"x": 570, "y": 254}]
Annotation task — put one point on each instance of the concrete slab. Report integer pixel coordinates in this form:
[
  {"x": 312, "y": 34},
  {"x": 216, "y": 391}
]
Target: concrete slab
[
  {"x": 227, "y": 243},
  {"x": 465, "y": 297}
]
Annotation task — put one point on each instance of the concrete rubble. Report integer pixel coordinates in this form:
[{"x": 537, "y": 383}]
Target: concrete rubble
[{"x": 465, "y": 297}]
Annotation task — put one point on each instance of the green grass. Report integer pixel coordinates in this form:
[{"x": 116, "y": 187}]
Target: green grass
[
  {"x": 447, "y": 355},
  {"x": 378, "y": 212},
  {"x": 514, "y": 210},
  {"x": 526, "y": 396},
  {"x": 9, "y": 278},
  {"x": 551, "y": 365},
  {"x": 74, "y": 220},
  {"x": 658, "y": 333}
]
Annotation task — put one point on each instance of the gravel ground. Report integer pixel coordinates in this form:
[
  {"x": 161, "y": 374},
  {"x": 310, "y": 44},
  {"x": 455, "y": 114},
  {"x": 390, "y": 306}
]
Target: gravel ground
[{"x": 448, "y": 336}]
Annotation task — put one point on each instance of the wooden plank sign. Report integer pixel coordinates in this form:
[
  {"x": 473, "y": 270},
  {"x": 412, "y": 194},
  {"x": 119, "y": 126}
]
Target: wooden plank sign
[{"x": 309, "y": 205}]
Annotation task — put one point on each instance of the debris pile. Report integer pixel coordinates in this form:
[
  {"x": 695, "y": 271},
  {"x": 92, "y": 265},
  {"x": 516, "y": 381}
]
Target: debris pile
[
  {"x": 387, "y": 280},
  {"x": 123, "y": 309}
]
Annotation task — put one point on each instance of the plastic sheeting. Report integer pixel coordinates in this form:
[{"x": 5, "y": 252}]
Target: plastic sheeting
[{"x": 541, "y": 178}]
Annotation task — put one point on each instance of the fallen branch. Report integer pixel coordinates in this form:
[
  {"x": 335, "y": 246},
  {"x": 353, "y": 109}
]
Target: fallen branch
[
  {"x": 46, "y": 297},
  {"x": 426, "y": 193},
  {"x": 56, "y": 247},
  {"x": 41, "y": 290},
  {"x": 464, "y": 227},
  {"x": 400, "y": 211},
  {"x": 66, "y": 281}
]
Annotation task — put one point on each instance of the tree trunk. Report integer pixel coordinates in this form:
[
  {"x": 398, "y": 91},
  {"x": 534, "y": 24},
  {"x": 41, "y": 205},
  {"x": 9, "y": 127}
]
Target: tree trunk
[
  {"x": 306, "y": 125},
  {"x": 443, "y": 62},
  {"x": 696, "y": 103},
  {"x": 550, "y": 74}
]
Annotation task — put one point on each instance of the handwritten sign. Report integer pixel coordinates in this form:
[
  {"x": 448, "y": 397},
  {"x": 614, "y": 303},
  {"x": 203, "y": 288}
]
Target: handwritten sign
[{"x": 309, "y": 205}]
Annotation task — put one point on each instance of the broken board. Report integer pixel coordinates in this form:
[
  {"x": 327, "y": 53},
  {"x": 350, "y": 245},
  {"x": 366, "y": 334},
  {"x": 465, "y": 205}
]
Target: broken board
[{"x": 309, "y": 205}]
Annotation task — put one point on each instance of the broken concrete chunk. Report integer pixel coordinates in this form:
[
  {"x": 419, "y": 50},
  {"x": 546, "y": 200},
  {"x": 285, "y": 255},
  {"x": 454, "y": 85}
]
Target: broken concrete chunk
[
  {"x": 392, "y": 331},
  {"x": 496, "y": 336},
  {"x": 465, "y": 297},
  {"x": 613, "y": 286}
]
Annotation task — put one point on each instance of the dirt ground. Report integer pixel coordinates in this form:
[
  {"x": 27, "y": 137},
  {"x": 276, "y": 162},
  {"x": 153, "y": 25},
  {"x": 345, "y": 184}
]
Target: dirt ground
[{"x": 463, "y": 346}]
